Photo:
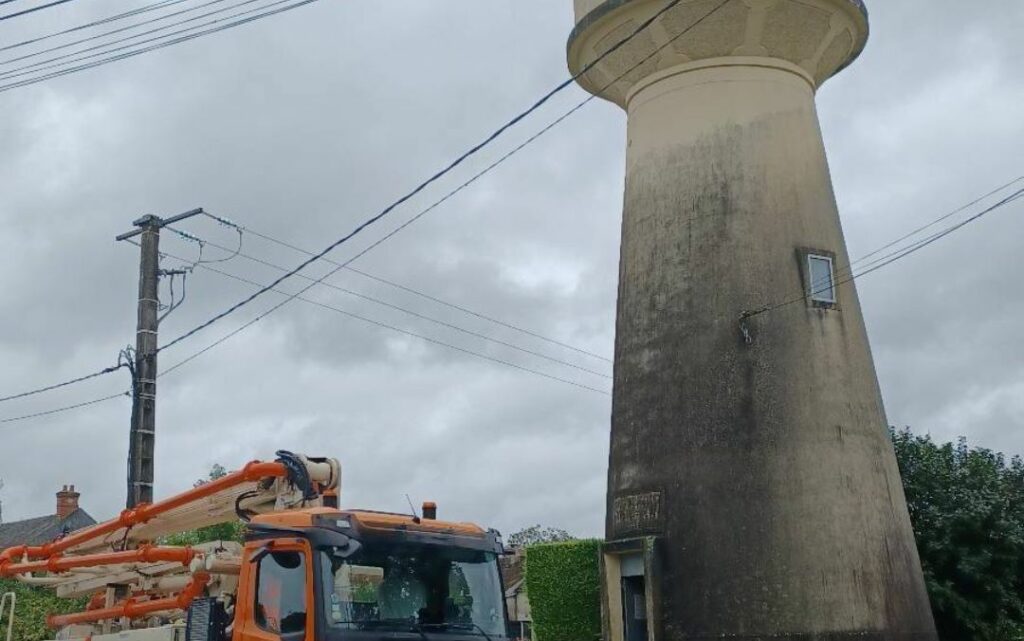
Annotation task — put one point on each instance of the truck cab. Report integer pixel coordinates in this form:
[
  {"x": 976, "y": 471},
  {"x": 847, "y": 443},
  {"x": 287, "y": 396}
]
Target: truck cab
[{"x": 325, "y": 574}]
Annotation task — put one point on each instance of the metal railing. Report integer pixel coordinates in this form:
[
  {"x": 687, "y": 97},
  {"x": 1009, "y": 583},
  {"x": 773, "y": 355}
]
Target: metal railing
[{"x": 13, "y": 599}]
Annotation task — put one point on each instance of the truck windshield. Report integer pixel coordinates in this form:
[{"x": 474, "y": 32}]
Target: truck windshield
[{"x": 438, "y": 589}]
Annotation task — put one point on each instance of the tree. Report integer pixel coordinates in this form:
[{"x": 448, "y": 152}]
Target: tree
[
  {"x": 538, "y": 534},
  {"x": 967, "y": 508},
  {"x": 230, "y": 531}
]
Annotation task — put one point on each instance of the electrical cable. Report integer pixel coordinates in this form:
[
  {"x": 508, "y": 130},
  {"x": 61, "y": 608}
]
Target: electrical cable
[
  {"x": 364, "y": 319},
  {"x": 95, "y": 23},
  {"x": 184, "y": 291},
  {"x": 202, "y": 242},
  {"x": 33, "y": 9},
  {"x": 458, "y": 161},
  {"x": 410, "y": 290},
  {"x": 256, "y": 319},
  {"x": 916, "y": 247},
  {"x": 154, "y": 47},
  {"x": 892, "y": 257},
  {"x": 65, "y": 409},
  {"x": 935, "y": 222},
  {"x": 440, "y": 174},
  {"x": 897, "y": 255},
  {"x": 109, "y": 33},
  {"x": 80, "y": 379},
  {"x": 880, "y": 263},
  {"x": 404, "y": 310},
  {"x": 43, "y": 65}
]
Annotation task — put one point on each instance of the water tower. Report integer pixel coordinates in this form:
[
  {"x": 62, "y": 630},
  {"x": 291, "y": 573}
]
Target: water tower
[{"x": 753, "y": 492}]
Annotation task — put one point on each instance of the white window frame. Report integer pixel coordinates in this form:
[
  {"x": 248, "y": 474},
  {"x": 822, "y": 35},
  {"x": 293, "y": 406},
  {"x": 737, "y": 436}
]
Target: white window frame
[{"x": 827, "y": 297}]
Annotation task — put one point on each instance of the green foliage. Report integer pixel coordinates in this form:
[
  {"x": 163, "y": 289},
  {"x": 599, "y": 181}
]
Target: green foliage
[
  {"x": 537, "y": 534},
  {"x": 231, "y": 531},
  {"x": 564, "y": 586},
  {"x": 34, "y": 604},
  {"x": 967, "y": 508}
]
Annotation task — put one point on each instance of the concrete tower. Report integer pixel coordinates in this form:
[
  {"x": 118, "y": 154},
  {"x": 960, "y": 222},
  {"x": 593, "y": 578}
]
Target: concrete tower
[{"x": 753, "y": 492}]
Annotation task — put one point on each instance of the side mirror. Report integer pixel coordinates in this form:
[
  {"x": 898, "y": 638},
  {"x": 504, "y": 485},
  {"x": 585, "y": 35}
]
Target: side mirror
[{"x": 343, "y": 546}]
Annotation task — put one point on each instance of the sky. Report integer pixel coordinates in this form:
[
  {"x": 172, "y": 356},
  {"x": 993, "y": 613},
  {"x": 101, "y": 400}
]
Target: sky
[{"x": 302, "y": 125}]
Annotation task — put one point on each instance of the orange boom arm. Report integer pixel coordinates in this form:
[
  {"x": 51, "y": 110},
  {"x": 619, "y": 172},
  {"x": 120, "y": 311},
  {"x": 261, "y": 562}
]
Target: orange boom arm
[
  {"x": 253, "y": 471},
  {"x": 145, "y": 554},
  {"x": 135, "y": 609}
]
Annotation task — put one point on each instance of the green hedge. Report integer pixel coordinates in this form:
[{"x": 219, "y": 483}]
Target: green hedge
[
  {"x": 34, "y": 604},
  {"x": 564, "y": 587}
]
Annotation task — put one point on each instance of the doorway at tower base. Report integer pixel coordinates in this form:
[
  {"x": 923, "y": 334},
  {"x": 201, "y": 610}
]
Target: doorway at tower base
[{"x": 630, "y": 590}]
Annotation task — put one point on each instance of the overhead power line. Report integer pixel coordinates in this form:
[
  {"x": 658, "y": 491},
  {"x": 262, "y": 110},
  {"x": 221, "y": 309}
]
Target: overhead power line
[
  {"x": 918, "y": 246},
  {"x": 33, "y": 9},
  {"x": 158, "y": 45},
  {"x": 544, "y": 99},
  {"x": 399, "y": 330},
  {"x": 885, "y": 261},
  {"x": 404, "y": 288},
  {"x": 69, "y": 58},
  {"x": 66, "y": 408},
  {"x": 448, "y": 169},
  {"x": 458, "y": 161},
  {"x": 893, "y": 256},
  {"x": 68, "y": 45},
  {"x": 95, "y": 23},
  {"x": 80, "y": 379},
  {"x": 404, "y": 310},
  {"x": 938, "y": 220}
]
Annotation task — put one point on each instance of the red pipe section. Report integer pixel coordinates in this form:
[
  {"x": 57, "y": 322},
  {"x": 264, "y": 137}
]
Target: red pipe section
[
  {"x": 253, "y": 471},
  {"x": 145, "y": 554},
  {"x": 135, "y": 609}
]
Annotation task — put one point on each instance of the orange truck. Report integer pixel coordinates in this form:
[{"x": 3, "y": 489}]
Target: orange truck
[{"x": 306, "y": 571}]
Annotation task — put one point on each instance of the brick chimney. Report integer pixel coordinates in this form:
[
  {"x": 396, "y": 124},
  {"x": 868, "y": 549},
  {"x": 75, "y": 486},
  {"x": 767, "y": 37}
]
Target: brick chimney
[{"x": 67, "y": 501}]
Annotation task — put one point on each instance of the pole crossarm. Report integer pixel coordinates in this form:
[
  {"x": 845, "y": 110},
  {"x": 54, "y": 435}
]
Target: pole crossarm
[{"x": 150, "y": 219}]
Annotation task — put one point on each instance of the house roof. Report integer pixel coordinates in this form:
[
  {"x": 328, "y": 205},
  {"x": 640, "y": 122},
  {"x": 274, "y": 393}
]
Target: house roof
[{"x": 42, "y": 529}]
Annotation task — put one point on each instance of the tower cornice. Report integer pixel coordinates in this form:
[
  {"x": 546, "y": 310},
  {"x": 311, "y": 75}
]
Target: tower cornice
[{"x": 820, "y": 36}]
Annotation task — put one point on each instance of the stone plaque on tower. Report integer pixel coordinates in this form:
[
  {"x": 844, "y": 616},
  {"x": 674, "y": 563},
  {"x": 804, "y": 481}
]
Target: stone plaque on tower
[{"x": 753, "y": 492}]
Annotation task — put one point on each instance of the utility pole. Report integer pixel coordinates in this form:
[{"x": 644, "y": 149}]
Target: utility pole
[{"x": 142, "y": 437}]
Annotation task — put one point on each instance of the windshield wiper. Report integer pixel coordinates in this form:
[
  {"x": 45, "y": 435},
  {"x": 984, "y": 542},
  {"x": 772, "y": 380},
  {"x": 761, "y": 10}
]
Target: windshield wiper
[
  {"x": 457, "y": 626},
  {"x": 401, "y": 624}
]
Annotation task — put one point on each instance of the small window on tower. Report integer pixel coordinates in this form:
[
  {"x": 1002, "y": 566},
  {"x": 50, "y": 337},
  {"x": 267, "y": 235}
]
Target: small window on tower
[{"x": 821, "y": 285}]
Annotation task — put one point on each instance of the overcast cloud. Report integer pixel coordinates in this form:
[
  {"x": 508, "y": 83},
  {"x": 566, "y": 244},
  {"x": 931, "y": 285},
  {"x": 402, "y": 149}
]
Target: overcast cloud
[{"x": 302, "y": 125}]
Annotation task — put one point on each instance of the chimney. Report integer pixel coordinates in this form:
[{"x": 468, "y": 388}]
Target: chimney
[
  {"x": 429, "y": 510},
  {"x": 67, "y": 501}
]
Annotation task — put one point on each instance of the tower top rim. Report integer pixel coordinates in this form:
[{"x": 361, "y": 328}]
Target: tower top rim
[{"x": 760, "y": 28}]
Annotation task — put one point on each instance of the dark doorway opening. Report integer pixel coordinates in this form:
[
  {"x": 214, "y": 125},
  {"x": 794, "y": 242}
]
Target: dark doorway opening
[{"x": 634, "y": 608}]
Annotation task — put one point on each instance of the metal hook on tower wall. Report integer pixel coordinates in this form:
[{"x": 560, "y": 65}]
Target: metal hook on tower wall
[{"x": 748, "y": 338}]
